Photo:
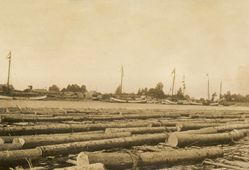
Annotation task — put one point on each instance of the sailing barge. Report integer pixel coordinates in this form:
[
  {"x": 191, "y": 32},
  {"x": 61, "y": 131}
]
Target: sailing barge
[{"x": 9, "y": 93}]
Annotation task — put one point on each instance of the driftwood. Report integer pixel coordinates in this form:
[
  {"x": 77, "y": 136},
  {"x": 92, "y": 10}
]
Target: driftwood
[
  {"x": 33, "y": 141},
  {"x": 77, "y": 147},
  {"x": 128, "y": 160},
  {"x": 181, "y": 139}
]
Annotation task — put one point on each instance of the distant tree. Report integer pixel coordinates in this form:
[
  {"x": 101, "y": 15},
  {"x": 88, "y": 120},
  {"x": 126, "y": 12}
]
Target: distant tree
[
  {"x": 83, "y": 88},
  {"x": 157, "y": 92},
  {"x": 159, "y": 86},
  {"x": 118, "y": 90},
  {"x": 228, "y": 96},
  {"x": 54, "y": 88},
  {"x": 180, "y": 94},
  {"x": 214, "y": 95}
]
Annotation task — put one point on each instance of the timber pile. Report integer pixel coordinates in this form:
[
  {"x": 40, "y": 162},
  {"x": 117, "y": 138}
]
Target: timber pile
[{"x": 52, "y": 138}]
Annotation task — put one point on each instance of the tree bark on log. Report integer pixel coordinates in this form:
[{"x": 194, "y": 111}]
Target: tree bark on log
[
  {"x": 64, "y": 128},
  {"x": 219, "y": 129},
  {"x": 9, "y": 139},
  {"x": 166, "y": 158},
  {"x": 10, "y": 146},
  {"x": 181, "y": 139},
  {"x": 141, "y": 130},
  {"x": 51, "y": 118},
  {"x": 19, "y": 155},
  {"x": 77, "y": 147},
  {"x": 33, "y": 141},
  {"x": 192, "y": 126}
]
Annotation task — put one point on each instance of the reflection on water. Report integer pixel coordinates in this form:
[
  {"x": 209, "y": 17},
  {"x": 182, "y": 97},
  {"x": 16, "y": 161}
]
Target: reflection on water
[{"x": 94, "y": 104}]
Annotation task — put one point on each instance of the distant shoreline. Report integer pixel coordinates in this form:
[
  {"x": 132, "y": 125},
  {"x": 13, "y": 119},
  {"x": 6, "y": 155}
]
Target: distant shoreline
[{"x": 106, "y": 105}]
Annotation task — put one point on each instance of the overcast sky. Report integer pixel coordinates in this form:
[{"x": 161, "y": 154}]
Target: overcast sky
[{"x": 87, "y": 41}]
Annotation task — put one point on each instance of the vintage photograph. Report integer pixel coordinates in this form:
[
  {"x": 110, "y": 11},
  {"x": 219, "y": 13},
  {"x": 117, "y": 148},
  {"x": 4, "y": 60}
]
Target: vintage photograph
[{"x": 124, "y": 85}]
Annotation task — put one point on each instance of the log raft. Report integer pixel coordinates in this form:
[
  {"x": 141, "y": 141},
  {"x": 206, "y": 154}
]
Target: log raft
[
  {"x": 166, "y": 158},
  {"x": 187, "y": 139}
]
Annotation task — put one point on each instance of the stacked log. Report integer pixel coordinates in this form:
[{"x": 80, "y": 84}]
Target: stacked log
[
  {"x": 10, "y": 146},
  {"x": 128, "y": 160},
  {"x": 33, "y": 141},
  {"x": 187, "y": 139},
  {"x": 194, "y": 125},
  {"x": 64, "y": 128},
  {"x": 7, "y": 157},
  {"x": 141, "y": 130},
  {"x": 124, "y": 142},
  {"x": 9, "y": 139}
]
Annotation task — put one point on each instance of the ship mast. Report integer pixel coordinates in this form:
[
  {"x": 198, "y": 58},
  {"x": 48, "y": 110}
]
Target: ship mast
[
  {"x": 173, "y": 83},
  {"x": 122, "y": 76},
  {"x": 8, "y": 80},
  {"x": 208, "y": 88},
  {"x": 220, "y": 90}
]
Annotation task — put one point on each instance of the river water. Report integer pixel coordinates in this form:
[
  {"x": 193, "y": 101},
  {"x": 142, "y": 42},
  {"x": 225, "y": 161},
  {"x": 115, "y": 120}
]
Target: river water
[{"x": 97, "y": 104}]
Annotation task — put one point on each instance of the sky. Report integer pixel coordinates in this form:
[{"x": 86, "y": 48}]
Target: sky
[{"x": 87, "y": 41}]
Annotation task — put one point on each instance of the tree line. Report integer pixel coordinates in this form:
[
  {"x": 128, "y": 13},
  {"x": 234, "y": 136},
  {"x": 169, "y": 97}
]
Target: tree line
[{"x": 69, "y": 88}]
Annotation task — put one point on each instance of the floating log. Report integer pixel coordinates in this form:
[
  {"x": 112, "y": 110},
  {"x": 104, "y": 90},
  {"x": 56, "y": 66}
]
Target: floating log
[
  {"x": 127, "y": 160},
  {"x": 64, "y": 128},
  {"x": 191, "y": 126},
  {"x": 181, "y": 139},
  {"x": 218, "y": 129},
  {"x": 9, "y": 139},
  {"x": 10, "y": 146},
  {"x": 231, "y": 127},
  {"x": 77, "y": 147},
  {"x": 33, "y": 141},
  {"x": 19, "y": 155},
  {"x": 80, "y": 117},
  {"x": 141, "y": 130}
]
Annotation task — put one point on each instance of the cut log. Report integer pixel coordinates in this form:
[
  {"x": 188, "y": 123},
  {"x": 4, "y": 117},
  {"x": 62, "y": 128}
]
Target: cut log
[
  {"x": 9, "y": 139},
  {"x": 19, "y": 155},
  {"x": 181, "y": 140},
  {"x": 1, "y": 141},
  {"x": 77, "y": 147},
  {"x": 232, "y": 127},
  {"x": 167, "y": 158},
  {"x": 191, "y": 126},
  {"x": 218, "y": 129},
  {"x": 96, "y": 166},
  {"x": 201, "y": 131},
  {"x": 141, "y": 130},
  {"x": 10, "y": 146},
  {"x": 33, "y": 141},
  {"x": 64, "y": 128}
]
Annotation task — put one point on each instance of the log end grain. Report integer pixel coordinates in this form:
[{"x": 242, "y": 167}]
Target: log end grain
[
  {"x": 172, "y": 140},
  {"x": 1, "y": 141}
]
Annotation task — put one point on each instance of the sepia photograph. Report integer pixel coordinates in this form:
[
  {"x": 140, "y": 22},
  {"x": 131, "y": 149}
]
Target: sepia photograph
[{"x": 124, "y": 85}]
